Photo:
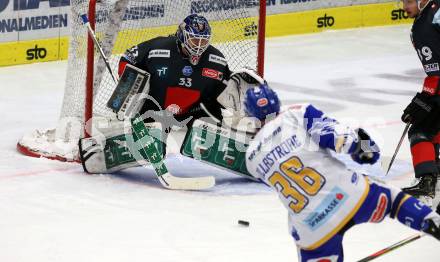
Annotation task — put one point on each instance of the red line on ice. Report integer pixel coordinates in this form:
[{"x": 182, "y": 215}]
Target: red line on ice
[{"x": 33, "y": 173}]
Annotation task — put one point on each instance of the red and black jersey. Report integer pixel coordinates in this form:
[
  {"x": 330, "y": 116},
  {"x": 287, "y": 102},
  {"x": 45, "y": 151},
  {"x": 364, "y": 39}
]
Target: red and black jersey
[
  {"x": 175, "y": 83},
  {"x": 425, "y": 36}
]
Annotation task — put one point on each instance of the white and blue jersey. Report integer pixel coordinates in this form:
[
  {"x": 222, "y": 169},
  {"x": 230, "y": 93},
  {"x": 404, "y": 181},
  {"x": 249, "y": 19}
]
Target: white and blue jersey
[
  {"x": 323, "y": 199},
  {"x": 290, "y": 153}
]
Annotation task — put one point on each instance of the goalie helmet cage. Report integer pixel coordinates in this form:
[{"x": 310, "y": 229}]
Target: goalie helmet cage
[{"x": 238, "y": 29}]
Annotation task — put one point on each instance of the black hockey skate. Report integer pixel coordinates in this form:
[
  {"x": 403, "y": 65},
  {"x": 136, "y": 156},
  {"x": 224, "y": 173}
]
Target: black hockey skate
[{"x": 424, "y": 187}]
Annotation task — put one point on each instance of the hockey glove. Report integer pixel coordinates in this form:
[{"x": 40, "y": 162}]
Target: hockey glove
[
  {"x": 367, "y": 151},
  {"x": 421, "y": 106},
  {"x": 431, "y": 225}
]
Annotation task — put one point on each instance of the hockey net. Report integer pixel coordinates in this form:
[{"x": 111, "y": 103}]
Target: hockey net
[{"x": 237, "y": 28}]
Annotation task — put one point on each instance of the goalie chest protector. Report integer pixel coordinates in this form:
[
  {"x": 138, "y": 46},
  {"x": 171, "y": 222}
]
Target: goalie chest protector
[{"x": 174, "y": 80}]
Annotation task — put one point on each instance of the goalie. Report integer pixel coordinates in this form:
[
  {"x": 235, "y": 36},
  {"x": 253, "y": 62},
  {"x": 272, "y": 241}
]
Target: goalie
[
  {"x": 185, "y": 70},
  {"x": 186, "y": 79}
]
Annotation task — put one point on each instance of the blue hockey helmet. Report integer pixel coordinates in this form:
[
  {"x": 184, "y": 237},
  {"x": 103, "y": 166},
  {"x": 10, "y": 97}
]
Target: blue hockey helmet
[
  {"x": 261, "y": 101},
  {"x": 194, "y": 34}
]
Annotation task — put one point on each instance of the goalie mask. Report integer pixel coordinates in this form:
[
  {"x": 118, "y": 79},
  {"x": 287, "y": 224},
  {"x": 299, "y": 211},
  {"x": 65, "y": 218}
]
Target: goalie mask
[
  {"x": 261, "y": 101},
  {"x": 194, "y": 35}
]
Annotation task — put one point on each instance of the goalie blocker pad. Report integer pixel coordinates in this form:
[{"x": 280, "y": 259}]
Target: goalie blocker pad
[
  {"x": 217, "y": 146},
  {"x": 117, "y": 151},
  {"x": 130, "y": 93}
]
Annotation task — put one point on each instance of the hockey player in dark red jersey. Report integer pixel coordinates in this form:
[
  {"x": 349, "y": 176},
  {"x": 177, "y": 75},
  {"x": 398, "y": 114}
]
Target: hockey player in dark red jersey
[
  {"x": 185, "y": 70},
  {"x": 424, "y": 110}
]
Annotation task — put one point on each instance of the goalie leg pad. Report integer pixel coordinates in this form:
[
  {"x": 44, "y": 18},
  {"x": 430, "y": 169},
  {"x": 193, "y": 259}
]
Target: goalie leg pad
[
  {"x": 217, "y": 146},
  {"x": 109, "y": 154}
]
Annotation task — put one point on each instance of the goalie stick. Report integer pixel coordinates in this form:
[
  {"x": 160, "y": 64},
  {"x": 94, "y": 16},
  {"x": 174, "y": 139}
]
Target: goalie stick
[
  {"x": 155, "y": 158},
  {"x": 166, "y": 179}
]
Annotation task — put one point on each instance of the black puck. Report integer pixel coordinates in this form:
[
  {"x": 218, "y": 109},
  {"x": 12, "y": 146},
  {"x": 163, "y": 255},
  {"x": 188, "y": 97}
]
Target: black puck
[{"x": 243, "y": 223}]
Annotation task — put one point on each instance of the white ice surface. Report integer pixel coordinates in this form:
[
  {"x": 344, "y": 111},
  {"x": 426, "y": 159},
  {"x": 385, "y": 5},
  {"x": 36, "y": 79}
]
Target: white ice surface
[{"x": 52, "y": 211}]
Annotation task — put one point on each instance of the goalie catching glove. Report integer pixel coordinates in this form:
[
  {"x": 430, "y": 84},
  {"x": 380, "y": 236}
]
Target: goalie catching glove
[
  {"x": 232, "y": 99},
  {"x": 238, "y": 84}
]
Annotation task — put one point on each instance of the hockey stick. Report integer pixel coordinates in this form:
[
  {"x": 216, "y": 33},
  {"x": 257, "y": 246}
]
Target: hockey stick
[
  {"x": 98, "y": 46},
  {"x": 155, "y": 158},
  {"x": 392, "y": 247},
  {"x": 398, "y": 147}
]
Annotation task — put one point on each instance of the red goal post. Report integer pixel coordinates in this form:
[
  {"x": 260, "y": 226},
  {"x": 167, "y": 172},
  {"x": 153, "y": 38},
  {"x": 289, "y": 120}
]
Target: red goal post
[{"x": 238, "y": 29}]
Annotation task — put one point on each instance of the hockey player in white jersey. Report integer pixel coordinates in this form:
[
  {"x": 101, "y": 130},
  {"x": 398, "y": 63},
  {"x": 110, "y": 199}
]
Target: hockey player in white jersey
[{"x": 291, "y": 153}]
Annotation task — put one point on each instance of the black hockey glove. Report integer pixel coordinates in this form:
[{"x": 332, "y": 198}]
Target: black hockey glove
[
  {"x": 432, "y": 228},
  {"x": 421, "y": 106},
  {"x": 367, "y": 151}
]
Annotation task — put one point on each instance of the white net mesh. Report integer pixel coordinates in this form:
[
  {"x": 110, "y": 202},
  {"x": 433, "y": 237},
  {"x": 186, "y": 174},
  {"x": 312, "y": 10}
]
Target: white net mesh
[{"x": 121, "y": 24}]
